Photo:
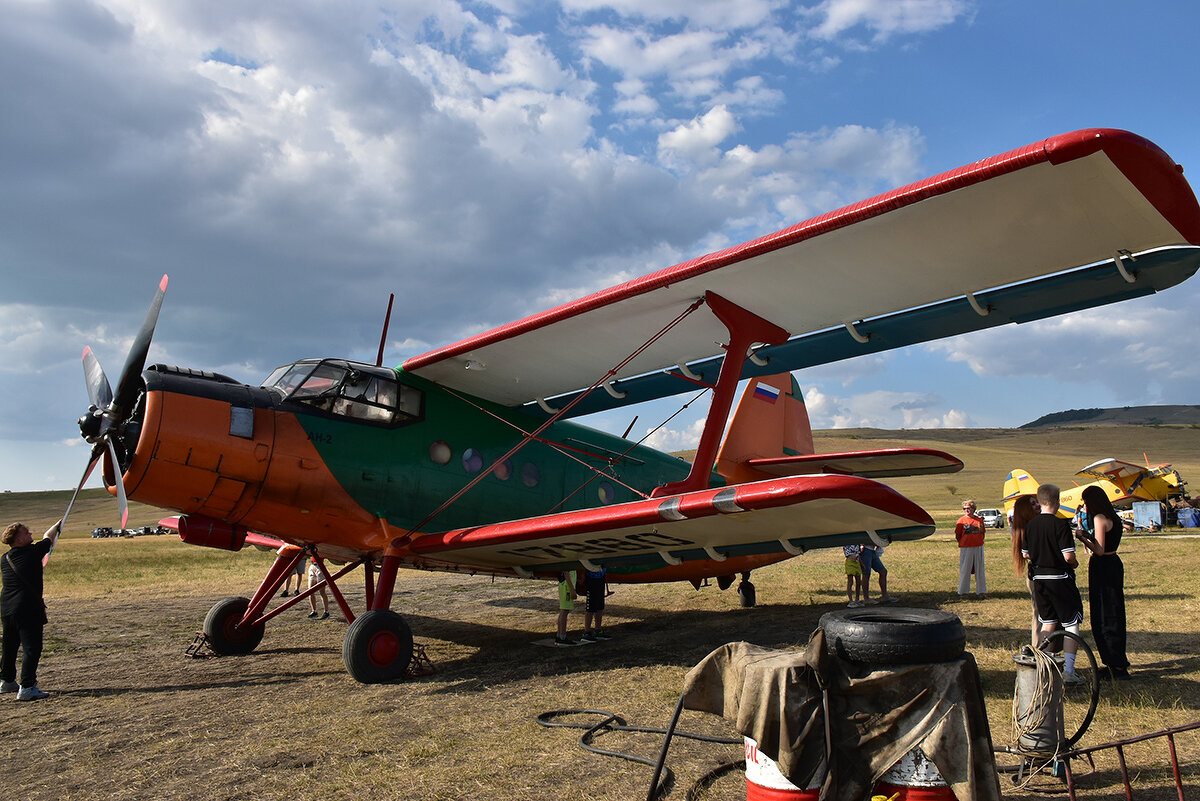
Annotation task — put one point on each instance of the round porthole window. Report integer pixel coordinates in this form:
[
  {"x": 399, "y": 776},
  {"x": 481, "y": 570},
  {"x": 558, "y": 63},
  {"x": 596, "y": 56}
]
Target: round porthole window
[
  {"x": 503, "y": 470},
  {"x": 440, "y": 453},
  {"x": 606, "y": 492},
  {"x": 472, "y": 460},
  {"x": 530, "y": 474}
]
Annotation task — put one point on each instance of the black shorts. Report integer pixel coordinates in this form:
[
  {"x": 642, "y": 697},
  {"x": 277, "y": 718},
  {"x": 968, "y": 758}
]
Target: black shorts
[
  {"x": 1057, "y": 601},
  {"x": 595, "y": 595}
]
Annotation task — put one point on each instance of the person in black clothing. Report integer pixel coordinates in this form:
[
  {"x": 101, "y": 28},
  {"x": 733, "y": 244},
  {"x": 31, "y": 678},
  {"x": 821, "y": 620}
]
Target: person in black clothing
[
  {"x": 1051, "y": 553},
  {"x": 22, "y": 610},
  {"x": 1106, "y": 581}
]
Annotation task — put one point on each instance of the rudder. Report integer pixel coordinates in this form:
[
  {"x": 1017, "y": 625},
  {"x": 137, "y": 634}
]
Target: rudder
[{"x": 771, "y": 420}]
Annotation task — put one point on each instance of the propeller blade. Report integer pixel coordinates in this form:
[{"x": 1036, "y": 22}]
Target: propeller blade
[
  {"x": 99, "y": 391},
  {"x": 127, "y": 385},
  {"x": 122, "y": 503},
  {"x": 87, "y": 472}
]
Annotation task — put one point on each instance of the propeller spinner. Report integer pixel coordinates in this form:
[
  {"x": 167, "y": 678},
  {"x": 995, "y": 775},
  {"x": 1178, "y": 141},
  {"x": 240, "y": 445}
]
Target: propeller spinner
[{"x": 104, "y": 424}]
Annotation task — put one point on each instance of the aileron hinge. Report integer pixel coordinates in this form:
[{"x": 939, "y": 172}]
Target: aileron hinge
[
  {"x": 861, "y": 339},
  {"x": 982, "y": 311},
  {"x": 1125, "y": 254},
  {"x": 611, "y": 390}
]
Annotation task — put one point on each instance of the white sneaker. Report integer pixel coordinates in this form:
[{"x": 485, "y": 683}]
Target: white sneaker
[
  {"x": 854, "y": 604},
  {"x": 31, "y": 694},
  {"x": 1071, "y": 678}
]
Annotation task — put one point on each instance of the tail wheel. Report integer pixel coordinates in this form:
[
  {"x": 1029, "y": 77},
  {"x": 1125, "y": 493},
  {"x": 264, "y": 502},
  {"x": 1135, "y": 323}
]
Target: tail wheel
[
  {"x": 225, "y": 635},
  {"x": 378, "y": 647}
]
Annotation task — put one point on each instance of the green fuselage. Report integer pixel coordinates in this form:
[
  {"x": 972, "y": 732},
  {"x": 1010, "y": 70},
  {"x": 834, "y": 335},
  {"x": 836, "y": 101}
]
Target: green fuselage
[{"x": 403, "y": 474}]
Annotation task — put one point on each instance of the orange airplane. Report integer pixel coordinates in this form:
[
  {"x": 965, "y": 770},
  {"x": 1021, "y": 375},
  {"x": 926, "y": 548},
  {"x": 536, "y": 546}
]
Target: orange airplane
[{"x": 465, "y": 459}]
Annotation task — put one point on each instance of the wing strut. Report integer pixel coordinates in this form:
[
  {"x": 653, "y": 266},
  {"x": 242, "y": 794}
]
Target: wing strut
[
  {"x": 745, "y": 329},
  {"x": 611, "y": 374}
]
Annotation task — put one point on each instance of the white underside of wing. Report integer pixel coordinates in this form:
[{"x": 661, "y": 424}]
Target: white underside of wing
[{"x": 1014, "y": 227}]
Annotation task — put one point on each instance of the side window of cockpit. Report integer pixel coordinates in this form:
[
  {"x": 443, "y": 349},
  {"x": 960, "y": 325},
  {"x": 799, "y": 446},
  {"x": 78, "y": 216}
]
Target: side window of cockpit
[{"x": 377, "y": 399}]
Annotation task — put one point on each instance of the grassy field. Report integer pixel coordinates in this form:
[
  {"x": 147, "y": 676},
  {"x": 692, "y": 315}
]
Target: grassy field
[{"x": 132, "y": 718}]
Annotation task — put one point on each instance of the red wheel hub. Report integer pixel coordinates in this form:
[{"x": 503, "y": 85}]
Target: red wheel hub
[{"x": 383, "y": 649}]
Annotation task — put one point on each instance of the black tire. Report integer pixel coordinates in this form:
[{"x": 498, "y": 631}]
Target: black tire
[
  {"x": 378, "y": 647},
  {"x": 894, "y": 635},
  {"x": 224, "y": 634}
]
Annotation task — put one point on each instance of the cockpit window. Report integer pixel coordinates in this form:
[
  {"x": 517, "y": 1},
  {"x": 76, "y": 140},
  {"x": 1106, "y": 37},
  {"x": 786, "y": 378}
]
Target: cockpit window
[
  {"x": 287, "y": 378},
  {"x": 345, "y": 389}
]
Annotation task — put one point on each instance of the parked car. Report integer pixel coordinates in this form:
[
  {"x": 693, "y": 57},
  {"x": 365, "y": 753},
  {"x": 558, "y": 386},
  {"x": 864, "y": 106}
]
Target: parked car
[{"x": 993, "y": 518}]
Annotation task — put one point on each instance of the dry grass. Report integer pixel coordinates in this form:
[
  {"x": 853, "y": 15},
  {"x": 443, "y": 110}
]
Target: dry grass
[{"x": 131, "y": 718}]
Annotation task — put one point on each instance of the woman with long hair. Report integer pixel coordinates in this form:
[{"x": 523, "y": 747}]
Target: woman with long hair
[
  {"x": 1106, "y": 581},
  {"x": 1025, "y": 508}
]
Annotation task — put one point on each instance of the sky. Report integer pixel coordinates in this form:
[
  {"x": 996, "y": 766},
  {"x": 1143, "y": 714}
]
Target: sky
[{"x": 289, "y": 164}]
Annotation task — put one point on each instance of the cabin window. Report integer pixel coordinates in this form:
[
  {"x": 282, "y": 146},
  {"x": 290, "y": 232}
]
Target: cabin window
[{"x": 345, "y": 389}]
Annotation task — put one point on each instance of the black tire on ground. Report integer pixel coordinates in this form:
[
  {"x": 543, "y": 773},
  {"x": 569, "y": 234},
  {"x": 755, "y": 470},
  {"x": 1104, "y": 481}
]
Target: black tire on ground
[
  {"x": 894, "y": 635},
  {"x": 378, "y": 647},
  {"x": 224, "y": 634}
]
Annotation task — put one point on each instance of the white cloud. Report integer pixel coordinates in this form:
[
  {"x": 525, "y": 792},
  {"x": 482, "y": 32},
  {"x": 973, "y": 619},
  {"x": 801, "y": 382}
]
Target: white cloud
[
  {"x": 697, "y": 139},
  {"x": 671, "y": 440},
  {"x": 712, "y": 13},
  {"x": 1133, "y": 350},
  {"x": 882, "y": 409},
  {"x": 886, "y": 18}
]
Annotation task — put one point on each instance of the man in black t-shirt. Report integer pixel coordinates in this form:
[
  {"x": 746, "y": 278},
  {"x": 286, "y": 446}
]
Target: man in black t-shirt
[
  {"x": 1050, "y": 549},
  {"x": 22, "y": 610}
]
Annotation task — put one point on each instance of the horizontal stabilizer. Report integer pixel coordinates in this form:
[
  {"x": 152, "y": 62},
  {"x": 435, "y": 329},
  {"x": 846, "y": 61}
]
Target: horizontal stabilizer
[
  {"x": 883, "y": 463},
  {"x": 776, "y": 516}
]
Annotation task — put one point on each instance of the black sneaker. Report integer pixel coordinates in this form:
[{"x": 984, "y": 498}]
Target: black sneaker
[
  {"x": 564, "y": 641},
  {"x": 600, "y": 635},
  {"x": 1113, "y": 674},
  {"x": 587, "y": 636}
]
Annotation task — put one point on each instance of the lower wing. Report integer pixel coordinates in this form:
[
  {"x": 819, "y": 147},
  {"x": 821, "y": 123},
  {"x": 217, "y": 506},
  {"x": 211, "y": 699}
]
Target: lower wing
[{"x": 776, "y": 516}]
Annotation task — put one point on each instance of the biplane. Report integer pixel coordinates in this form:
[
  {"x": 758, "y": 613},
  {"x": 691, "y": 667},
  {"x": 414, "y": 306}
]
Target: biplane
[
  {"x": 1122, "y": 482},
  {"x": 466, "y": 458}
]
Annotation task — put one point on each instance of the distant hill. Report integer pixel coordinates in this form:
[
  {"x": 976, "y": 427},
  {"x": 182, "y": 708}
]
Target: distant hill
[{"x": 1124, "y": 416}]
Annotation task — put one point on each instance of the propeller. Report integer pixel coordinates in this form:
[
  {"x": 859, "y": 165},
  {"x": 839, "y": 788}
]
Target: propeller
[{"x": 104, "y": 424}]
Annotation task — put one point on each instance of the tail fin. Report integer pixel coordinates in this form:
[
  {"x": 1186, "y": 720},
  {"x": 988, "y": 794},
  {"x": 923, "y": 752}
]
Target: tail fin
[
  {"x": 771, "y": 420},
  {"x": 1019, "y": 482}
]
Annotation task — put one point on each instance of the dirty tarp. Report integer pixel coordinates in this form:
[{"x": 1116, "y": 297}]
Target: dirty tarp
[{"x": 876, "y": 715}]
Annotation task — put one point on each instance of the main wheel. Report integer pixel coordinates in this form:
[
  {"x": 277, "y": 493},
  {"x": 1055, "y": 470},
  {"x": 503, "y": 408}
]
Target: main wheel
[
  {"x": 894, "y": 635},
  {"x": 224, "y": 634},
  {"x": 378, "y": 647}
]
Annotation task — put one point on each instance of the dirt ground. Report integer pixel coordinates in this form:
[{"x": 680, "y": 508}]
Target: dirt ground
[{"x": 132, "y": 718}]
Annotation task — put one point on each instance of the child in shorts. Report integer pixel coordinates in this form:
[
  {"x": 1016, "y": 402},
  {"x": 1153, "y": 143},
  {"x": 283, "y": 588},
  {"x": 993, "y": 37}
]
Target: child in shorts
[
  {"x": 566, "y": 603},
  {"x": 853, "y": 574}
]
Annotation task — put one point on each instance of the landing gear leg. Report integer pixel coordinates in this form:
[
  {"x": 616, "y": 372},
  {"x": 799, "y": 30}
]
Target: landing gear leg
[{"x": 745, "y": 591}]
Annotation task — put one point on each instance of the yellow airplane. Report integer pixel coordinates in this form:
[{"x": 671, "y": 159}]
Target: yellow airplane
[{"x": 1123, "y": 482}]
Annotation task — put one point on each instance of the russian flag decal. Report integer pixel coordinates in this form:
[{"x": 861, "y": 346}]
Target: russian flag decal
[{"x": 766, "y": 392}]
